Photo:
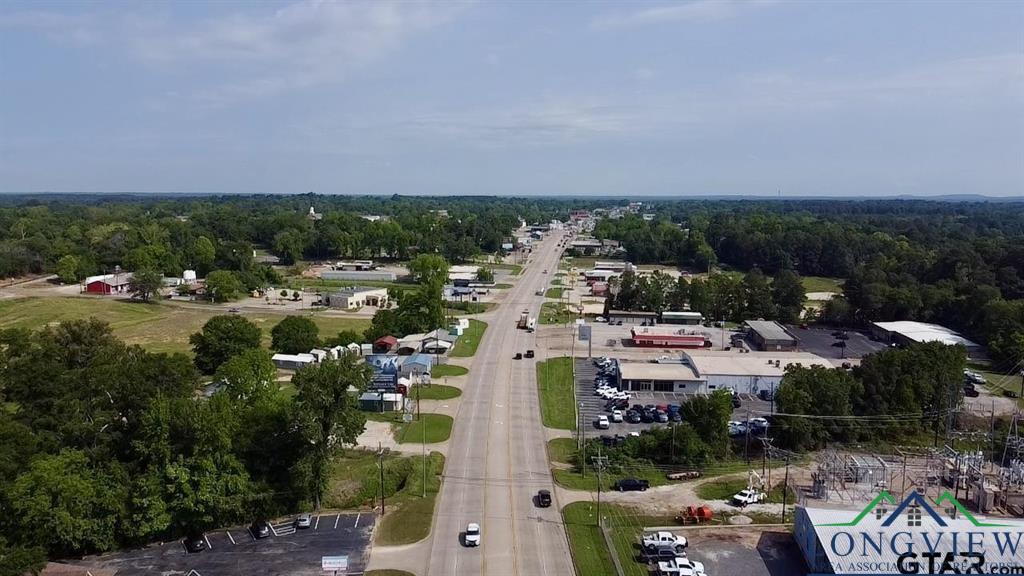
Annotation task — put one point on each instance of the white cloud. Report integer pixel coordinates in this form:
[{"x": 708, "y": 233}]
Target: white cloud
[
  {"x": 58, "y": 27},
  {"x": 695, "y": 11}
]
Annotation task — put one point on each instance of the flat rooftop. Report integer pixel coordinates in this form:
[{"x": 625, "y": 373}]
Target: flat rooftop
[
  {"x": 924, "y": 332},
  {"x": 357, "y": 290},
  {"x": 733, "y": 363},
  {"x": 648, "y": 371},
  {"x": 769, "y": 329},
  {"x": 663, "y": 330}
]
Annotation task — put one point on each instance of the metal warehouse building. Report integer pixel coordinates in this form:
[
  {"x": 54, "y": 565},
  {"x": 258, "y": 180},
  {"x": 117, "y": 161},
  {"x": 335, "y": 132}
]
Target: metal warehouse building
[
  {"x": 747, "y": 373},
  {"x": 667, "y": 337},
  {"x": 647, "y": 377},
  {"x": 906, "y": 332},
  {"x": 770, "y": 335}
]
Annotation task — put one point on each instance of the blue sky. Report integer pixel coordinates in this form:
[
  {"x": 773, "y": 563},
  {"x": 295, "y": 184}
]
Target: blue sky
[{"x": 514, "y": 98}]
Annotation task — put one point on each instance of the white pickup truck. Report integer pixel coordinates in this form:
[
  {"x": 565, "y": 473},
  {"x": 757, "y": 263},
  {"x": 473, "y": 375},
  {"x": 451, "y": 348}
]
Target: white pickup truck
[
  {"x": 681, "y": 566},
  {"x": 664, "y": 540},
  {"x": 748, "y": 496}
]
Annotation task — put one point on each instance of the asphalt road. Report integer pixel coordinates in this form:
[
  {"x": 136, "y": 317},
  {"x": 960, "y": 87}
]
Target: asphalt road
[
  {"x": 234, "y": 552},
  {"x": 497, "y": 458}
]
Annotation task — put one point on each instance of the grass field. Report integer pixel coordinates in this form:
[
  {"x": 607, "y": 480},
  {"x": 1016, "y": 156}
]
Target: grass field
[
  {"x": 467, "y": 344},
  {"x": 580, "y": 480},
  {"x": 557, "y": 403},
  {"x": 822, "y": 284},
  {"x": 299, "y": 282},
  {"x": 436, "y": 392},
  {"x": 554, "y": 313},
  {"x": 413, "y": 518},
  {"x": 561, "y": 449},
  {"x": 156, "y": 327},
  {"x": 725, "y": 488},
  {"x": 590, "y": 555},
  {"x": 555, "y": 293},
  {"x": 502, "y": 286},
  {"x": 448, "y": 370},
  {"x": 438, "y": 427}
]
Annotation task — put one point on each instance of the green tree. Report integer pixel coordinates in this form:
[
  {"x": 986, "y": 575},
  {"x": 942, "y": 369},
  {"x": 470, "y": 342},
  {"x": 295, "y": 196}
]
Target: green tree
[
  {"x": 344, "y": 338},
  {"x": 825, "y": 396},
  {"x": 247, "y": 375},
  {"x": 145, "y": 283},
  {"x": 295, "y": 334},
  {"x": 203, "y": 255},
  {"x": 221, "y": 338},
  {"x": 67, "y": 505},
  {"x": 20, "y": 560},
  {"x": 223, "y": 286},
  {"x": 327, "y": 414},
  {"x": 788, "y": 294},
  {"x": 485, "y": 274},
  {"x": 757, "y": 296},
  {"x": 67, "y": 269},
  {"x": 431, "y": 269},
  {"x": 679, "y": 295},
  {"x": 836, "y": 311}
]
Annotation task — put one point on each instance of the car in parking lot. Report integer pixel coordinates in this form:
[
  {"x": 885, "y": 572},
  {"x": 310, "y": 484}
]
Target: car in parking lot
[
  {"x": 194, "y": 543},
  {"x": 681, "y": 566},
  {"x": 632, "y": 485},
  {"x": 647, "y": 416},
  {"x": 675, "y": 416},
  {"x": 304, "y": 520},
  {"x": 661, "y": 416},
  {"x": 632, "y": 416},
  {"x": 259, "y": 529},
  {"x": 601, "y": 422},
  {"x": 616, "y": 415}
]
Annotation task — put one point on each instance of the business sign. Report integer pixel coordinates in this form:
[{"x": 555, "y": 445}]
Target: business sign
[
  {"x": 334, "y": 563},
  {"x": 584, "y": 333}
]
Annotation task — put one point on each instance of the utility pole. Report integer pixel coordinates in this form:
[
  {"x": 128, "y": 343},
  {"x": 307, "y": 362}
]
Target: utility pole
[
  {"x": 746, "y": 445},
  {"x": 785, "y": 492},
  {"x": 380, "y": 457},
  {"x": 599, "y": 463}
]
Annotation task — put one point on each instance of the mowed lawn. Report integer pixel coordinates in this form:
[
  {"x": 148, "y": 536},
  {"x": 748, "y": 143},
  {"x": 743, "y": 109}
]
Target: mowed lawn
[
  {"x": 467, "y": 344},
  {"x": 822, "y": 284},
  {"x": 446, "y": 370},
  {"x": 156, "y": 327},
  {"x": 557, "y": 403},
  {"x": 589, "y": 552}
]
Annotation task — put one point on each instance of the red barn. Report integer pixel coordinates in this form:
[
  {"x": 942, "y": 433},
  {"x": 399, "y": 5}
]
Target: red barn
[{"x": 108, "y": 283}]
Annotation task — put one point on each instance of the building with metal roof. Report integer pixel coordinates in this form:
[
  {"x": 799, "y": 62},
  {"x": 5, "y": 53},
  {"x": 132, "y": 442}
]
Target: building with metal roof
[
  {"x": 747, "y": 373},
  {"x": 770, "y": 335},
  {"x": 907, "y": 332},
  {"x": 647, "y": 377}
]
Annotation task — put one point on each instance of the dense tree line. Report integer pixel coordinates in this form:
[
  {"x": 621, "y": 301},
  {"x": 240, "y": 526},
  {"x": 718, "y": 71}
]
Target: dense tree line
[
  {"x": 104, "y": 444},
  {"x": 77, "y": 236},
  {"x": 893, "y": 395},
  {"x": 956, "y": 264}
]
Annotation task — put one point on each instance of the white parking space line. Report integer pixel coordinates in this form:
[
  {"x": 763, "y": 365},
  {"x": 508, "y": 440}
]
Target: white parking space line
[
  {"x": 336, "y": 518},
  {"x": 230, "y": 537},
  {"x": 317, "y": 523},
  {"x": 207, "y": 538},
  {"x": 357, "y": 521}
]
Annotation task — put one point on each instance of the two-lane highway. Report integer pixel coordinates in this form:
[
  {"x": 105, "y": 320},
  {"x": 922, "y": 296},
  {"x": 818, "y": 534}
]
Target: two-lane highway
[{"x": 497, "y": 458}]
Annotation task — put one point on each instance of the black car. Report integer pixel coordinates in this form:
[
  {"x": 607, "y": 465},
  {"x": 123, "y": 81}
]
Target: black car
[
  {"x": 543, "y": 498},
  {"x": 259, "y": 529},
  {"x": 736, "y": 403},
  {"x": 633, "y": 417},
  {"x": 637, "y": 408},
  {"x": 675, "y": 417},
  {"x": 647, "y": 416},
  {"x": 529, "y": 353},
  {"x": 195, "y": 543},
  {"x": 518, "y": 356},
  {"x": 970, "y": 392},
  {"x": 632, "y": 485}
]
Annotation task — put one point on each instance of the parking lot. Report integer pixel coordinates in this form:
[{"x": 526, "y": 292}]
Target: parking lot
[
  {"x": 233, "y": 551},
  {"x": 749, "y": 552},
  {"x": 820, "y": 341},
  {"x": 593, "y": 406}
]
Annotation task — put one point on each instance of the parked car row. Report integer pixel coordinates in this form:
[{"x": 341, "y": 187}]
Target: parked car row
[
  {"x": 259, "y": 529},
  {"x": 756, "y": 425},
  {"x": 669, "y": 551}
]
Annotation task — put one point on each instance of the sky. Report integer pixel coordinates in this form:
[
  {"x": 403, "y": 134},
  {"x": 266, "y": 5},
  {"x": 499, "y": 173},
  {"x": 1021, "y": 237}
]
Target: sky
[{"x": 709, "y": 97}]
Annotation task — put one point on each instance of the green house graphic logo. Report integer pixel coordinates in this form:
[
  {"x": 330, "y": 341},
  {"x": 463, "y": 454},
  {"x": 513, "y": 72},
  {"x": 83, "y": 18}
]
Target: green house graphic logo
[{"x": 916, "y": 507}]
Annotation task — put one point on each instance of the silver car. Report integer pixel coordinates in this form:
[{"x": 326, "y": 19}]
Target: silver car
[{"x": 304, "y": 521}]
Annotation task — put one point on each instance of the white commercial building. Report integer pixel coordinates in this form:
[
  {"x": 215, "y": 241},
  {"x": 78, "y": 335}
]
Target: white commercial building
[
  {"x": 647, "y": 377},
  {"x": 357, "y": 297},
  {"x": 907, "y": 332},
  {"x": 747, "y": 373},
  {"x": 293, "y": 361}
]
